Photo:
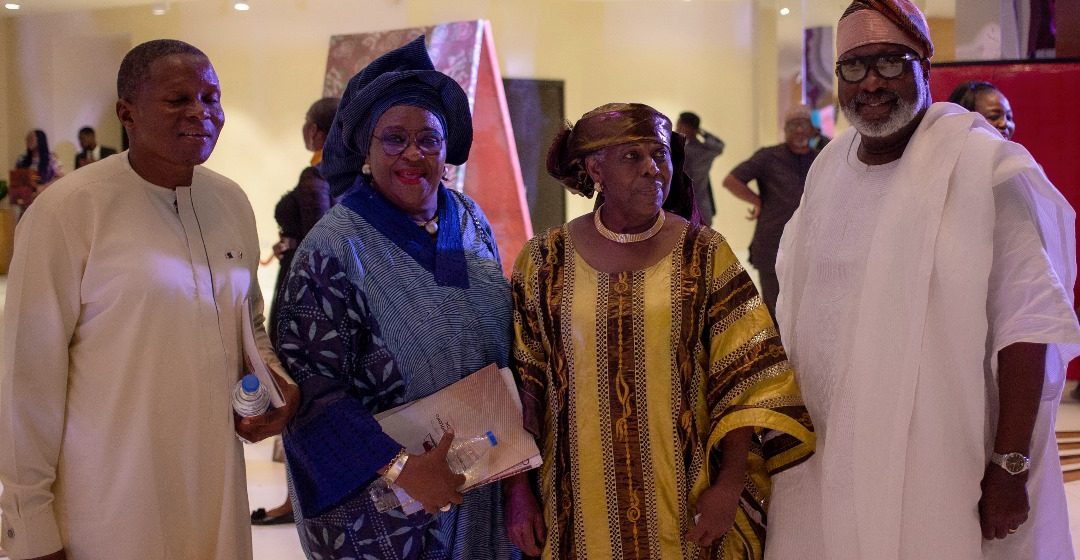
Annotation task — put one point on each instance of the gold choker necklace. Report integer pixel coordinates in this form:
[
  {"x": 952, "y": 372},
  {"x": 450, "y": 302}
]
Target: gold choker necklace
[{"x": 628, "y": 237}]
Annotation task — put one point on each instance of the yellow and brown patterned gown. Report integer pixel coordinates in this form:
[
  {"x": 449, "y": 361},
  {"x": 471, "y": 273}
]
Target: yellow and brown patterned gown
[{"x": 629, "y": 381}]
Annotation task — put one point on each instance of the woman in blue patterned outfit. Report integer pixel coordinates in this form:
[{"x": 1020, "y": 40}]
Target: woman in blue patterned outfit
[{"x": 395, "y": 294}]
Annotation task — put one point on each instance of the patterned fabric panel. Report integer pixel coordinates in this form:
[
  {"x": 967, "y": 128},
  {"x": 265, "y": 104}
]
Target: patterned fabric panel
[
  {"x": 630, "y": 380},
  {"x": 364, "y": 328}
]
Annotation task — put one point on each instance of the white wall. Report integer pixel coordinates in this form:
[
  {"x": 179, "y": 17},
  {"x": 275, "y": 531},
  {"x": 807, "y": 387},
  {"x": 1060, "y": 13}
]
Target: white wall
[
  {"x": 6, "y": 78},
  {"x": 716, "y": 58}
]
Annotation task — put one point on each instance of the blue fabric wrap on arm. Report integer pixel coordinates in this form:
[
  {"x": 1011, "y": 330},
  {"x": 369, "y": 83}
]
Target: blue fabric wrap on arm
[{"x": 334, "y": 445}]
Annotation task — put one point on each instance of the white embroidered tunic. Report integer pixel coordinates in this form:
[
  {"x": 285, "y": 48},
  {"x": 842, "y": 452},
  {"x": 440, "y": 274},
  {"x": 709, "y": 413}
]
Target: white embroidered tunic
[
  {"x": 899, "y": 286},
  {"x": 122, "y": 343}
]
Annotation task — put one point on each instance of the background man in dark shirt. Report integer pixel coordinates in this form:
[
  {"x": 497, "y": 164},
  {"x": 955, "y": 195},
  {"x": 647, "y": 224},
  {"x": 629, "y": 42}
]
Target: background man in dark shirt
[
  {"x": 780, "y": 172},
  {"x": 701, "y": 149},
  {"x": 91, "y": 151}
]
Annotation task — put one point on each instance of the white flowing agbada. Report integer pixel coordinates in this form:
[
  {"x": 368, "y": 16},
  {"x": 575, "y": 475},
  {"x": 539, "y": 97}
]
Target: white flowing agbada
[
  {"x": 899, "y": 284},
  {"x": 122, "y": 343}
]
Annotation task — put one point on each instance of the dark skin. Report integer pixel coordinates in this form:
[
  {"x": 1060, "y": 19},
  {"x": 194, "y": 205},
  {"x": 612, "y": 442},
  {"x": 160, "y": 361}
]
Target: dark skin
[
  {"x": 173, "y": 123},
  {"x": 410, "y": 181},
  {"x": 635, "y": 179},
  {"x": 314, "y": 138},
  {"x": 887, "y": 149},
  {"x": 428, "y": 477},
  {"x": 797, "y": 133},
  {"x": 1004, "y": 503}
]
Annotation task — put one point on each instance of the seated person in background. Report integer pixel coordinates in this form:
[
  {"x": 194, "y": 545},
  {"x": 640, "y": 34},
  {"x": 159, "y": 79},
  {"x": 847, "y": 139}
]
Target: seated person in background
[
  {"x": 42, "y": 163},
  {"x": 91, "y": 150}
]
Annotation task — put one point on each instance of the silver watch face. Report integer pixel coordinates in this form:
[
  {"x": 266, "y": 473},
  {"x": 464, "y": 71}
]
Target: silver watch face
[{"x": 1015, "y": 463}]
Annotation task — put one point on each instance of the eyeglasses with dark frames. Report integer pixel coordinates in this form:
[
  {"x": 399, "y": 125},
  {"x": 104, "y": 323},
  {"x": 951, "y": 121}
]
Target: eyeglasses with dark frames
[
  {"x": 888, "y": 65},
  {"x": 394, "y": 142},
  {"x": 800, "y": 124}
]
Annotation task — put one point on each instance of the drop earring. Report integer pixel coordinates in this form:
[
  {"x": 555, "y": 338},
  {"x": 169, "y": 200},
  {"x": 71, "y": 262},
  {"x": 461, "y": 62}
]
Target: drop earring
[
  {"x": 365, "y": 170},
  {"x": 599, "y": 187}
]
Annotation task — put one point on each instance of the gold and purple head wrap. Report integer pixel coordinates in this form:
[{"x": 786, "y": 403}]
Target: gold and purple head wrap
[
  {"x": 883, "y": 21},
  {"x": 611, "y": 125}
]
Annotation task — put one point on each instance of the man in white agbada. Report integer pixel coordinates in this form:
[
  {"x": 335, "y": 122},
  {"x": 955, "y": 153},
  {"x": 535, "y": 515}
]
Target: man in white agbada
[
  {"x": 926, "y": 303},
  {"x": 122, "y": 340}
]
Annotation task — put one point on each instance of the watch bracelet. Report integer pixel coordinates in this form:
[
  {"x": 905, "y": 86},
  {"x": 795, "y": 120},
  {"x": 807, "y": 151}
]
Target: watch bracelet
[{"x": 396, "y": 466}]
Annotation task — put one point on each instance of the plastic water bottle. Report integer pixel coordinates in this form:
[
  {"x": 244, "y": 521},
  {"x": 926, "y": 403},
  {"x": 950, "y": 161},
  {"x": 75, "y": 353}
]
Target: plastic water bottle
[
  {"x": 250, "y": 398},
  {"x": 463, "y": 458},
  {"x": 387, "y": 496},
  {"x": 465, "y": 455}
]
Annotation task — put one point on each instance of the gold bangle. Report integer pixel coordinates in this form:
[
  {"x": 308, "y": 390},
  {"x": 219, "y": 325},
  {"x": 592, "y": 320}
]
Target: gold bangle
[{"x": 393, "y": 471}]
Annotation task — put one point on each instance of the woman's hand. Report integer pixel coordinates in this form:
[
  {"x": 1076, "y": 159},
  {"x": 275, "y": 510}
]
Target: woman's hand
[
  {"x": 716, "y": 511},
  {"x": 524, "y": 520},
  {"x": 429, "y": 480},
  {"x": 273, "y": 421},
  {"x": 716, "y": 505}
]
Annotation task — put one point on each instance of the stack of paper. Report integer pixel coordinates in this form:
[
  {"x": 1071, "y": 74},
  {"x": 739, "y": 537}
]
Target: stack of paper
[
  {"x": 485, "y": 401},
  {"x": 253, "y": 359}
]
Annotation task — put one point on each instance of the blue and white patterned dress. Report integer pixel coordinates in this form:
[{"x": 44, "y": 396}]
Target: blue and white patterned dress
[{"x": 370, "y": 321}]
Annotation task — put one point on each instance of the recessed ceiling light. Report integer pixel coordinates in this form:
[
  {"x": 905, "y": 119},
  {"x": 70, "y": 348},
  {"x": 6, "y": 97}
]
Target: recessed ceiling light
[
  {"x": 241, "y": 6},
  {"x": 784, "y": 11},
  {"x": 12, "y": 6}
]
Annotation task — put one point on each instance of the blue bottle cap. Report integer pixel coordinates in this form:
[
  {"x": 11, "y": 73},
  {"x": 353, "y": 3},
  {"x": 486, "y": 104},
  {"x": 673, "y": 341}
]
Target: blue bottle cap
[
  {"x": 491, "y": 439},
  {"x": 250, "y": 383}
]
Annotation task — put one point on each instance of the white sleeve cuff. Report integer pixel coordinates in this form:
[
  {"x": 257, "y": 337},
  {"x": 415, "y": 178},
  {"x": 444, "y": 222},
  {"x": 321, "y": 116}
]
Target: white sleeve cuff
[{"x": 30, "y": 535}]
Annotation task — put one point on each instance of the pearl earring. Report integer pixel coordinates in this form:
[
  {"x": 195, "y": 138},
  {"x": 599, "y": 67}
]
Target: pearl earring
[{"x": 365, "y": 170}]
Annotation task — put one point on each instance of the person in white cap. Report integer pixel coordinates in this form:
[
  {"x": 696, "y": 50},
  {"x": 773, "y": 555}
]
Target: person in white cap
[{"x": 926, "y": 303}]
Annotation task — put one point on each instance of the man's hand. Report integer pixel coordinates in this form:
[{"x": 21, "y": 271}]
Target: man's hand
[
  {"x": 753, "y": 212},
  {"x": 1004, "y": 503},
  {"x": 273, "y": 421},
  {"x": 429, "y": 480},
  {"x": 524, "y": 519},
  {"x": 716, "y": 511}
]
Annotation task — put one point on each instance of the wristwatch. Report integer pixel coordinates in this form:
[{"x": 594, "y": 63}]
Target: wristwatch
[{"x": 1013, "y": 463}]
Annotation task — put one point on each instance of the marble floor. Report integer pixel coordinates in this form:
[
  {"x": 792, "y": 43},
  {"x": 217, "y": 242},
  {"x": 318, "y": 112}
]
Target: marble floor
[{"x": 1068, "y": 420}]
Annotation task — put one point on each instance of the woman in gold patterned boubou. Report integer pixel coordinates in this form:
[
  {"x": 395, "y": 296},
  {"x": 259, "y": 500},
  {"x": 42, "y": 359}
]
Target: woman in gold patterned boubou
[{"x": 650, "y": 371}]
